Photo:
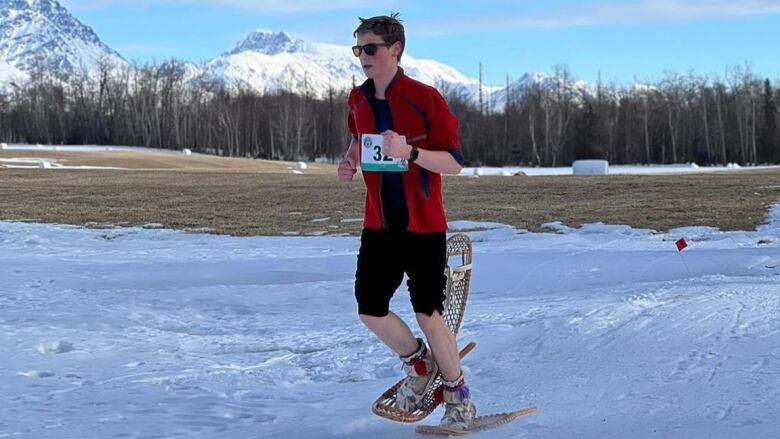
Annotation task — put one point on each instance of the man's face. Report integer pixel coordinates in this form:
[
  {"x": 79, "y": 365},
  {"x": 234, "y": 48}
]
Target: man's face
[{"x": 384, "y": 62}]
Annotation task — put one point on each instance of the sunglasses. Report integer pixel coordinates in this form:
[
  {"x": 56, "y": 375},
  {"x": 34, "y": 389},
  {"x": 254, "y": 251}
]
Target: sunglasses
[{"x": 370, "y": 49}]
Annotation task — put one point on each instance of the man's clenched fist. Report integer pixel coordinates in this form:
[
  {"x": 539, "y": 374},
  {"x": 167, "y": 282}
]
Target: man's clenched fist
[{"x": 347, "y": 169}]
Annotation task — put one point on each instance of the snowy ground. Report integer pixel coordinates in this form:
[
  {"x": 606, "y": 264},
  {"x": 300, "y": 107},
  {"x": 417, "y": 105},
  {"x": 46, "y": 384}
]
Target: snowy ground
[
  {"x": 681, "y": 168},
  {"x": 149, "y": 333},
  {"x": 83, "y": 148}
]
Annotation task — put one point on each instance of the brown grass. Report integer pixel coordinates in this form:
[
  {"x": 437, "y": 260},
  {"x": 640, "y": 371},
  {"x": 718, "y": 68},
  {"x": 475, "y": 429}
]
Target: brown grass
[{"x": 250, "y": 197}]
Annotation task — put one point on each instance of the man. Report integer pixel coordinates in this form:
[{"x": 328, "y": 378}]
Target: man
[{"x": 404, "y": 227}]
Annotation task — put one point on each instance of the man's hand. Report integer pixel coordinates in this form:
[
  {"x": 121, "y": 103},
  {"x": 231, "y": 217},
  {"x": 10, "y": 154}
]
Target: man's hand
[
  {"x": 393, "y": 146},
  {"x": 347, "y": 168}
]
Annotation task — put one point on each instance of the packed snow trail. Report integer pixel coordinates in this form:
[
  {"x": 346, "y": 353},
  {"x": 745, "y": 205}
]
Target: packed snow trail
[{"x": 143, "y": 333}]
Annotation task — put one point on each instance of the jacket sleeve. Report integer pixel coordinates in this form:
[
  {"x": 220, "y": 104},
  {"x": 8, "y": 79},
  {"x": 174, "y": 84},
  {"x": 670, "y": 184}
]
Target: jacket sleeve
[
  {"x": 443, "y": 131},
  {"x": 351, "y": 119}
]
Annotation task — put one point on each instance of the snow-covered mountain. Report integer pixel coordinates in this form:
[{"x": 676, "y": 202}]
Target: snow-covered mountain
[
  {"x": 11, "y": 77},
  {"x": 41, "y": 35},
  {"x": 266, "y": 61}
]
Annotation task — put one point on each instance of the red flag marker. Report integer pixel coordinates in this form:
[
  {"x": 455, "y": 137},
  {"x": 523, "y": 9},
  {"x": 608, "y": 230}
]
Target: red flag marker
[{"x": 682, "y": 244}]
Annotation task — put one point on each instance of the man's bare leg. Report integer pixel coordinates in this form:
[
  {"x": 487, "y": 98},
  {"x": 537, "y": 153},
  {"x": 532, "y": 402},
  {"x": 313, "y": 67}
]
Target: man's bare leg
[
  {"x": 442, "y": 343},
  {"x": 393, "y": 332},
  {"x": 397, "y": 336}
]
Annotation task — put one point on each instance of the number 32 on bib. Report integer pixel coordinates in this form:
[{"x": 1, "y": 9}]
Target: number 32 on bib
[{"x": 372, "y": 158}]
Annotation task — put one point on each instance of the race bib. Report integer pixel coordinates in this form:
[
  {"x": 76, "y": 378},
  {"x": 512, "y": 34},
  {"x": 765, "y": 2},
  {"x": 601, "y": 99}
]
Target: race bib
[{"x": 372, "y": 158}]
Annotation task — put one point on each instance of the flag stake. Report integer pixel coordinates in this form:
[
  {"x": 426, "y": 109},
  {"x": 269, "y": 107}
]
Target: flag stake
[{"x": 682, "y": 244}]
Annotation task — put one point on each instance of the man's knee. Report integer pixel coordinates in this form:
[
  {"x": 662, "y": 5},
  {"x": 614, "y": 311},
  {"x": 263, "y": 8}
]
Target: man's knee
[
  {"x": 373, "y": 322},
  {"x": 430, "y": 323}
]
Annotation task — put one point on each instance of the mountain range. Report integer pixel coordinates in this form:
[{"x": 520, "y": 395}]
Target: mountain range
[{"x": 42, "y": 36}]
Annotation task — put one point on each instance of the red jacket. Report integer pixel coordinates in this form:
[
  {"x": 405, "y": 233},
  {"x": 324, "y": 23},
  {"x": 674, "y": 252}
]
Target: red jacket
[{"x": 420, "y": 113}]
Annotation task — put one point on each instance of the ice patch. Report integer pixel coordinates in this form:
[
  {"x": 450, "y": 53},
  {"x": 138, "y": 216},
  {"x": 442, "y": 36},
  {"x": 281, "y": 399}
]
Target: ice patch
[
  {"x": 601, "y": 228},
  {"x": 459, "y": 226},
  {"x": 36, "y": 374},
  {"x": 55, "y": 347}
]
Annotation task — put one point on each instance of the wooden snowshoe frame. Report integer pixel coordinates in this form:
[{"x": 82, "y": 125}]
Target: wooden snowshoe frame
[{"x": 458, "y": 280}]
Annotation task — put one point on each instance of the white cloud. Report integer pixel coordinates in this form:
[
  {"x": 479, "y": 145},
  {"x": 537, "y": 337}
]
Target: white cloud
[{"x": 633, "y": 12}]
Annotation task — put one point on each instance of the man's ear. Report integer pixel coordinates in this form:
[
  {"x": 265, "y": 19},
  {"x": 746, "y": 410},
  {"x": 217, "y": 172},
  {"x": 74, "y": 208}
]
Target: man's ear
[{"x": 396, "y": 49}]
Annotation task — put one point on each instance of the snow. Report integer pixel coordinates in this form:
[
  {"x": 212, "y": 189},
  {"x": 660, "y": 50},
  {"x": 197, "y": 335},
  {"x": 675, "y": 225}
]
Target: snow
[
  {"x": 82, "y": 148},
  {"x": 10, "y": 77},
  {"x": 680, "y": 168},
  {"x": 43, "y": 163},
  {"x": 268, "y": 61},
  {"x": 149, "y": 332},
  {"x": 55, "y": 347},
  {"x": 44, "y": 31},
  {"x": 590, "y": 167}
]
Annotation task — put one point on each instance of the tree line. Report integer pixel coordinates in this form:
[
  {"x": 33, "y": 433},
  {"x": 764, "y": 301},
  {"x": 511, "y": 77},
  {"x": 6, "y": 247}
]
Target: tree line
[{"x": 680, "y": 118}]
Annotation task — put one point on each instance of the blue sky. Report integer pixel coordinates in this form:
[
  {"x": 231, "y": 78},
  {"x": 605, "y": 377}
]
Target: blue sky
[{"x": 623, "y": 40}]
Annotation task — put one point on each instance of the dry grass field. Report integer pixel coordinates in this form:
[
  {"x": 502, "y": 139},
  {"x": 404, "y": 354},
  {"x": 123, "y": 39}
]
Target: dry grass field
[{"x": 256, "y": 197}]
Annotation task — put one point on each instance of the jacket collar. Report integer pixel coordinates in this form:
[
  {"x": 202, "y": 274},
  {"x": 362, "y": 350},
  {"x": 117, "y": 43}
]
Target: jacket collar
[{"x": 369, "y": 89}]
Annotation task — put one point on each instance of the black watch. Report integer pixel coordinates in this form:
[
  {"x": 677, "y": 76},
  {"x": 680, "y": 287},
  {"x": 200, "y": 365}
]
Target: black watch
[{"x": 414, "y": 154}]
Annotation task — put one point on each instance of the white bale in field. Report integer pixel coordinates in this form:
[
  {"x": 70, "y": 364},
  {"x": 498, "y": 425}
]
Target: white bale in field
[
  {"x": 187, "y": 151},
  {"x": 44, "y": 164},
  {"x": 3, "y": 146},
  {"x": 300, "y": 166},
  {"x": 590, "y": 167}
]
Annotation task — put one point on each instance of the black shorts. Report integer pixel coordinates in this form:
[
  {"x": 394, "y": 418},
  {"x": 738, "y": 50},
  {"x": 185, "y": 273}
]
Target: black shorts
[{"x": 384, "y": 257}]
